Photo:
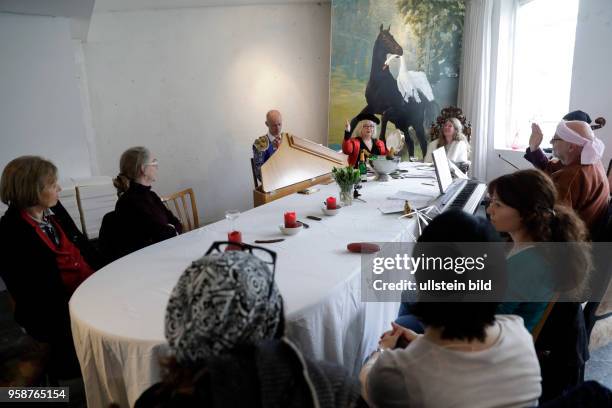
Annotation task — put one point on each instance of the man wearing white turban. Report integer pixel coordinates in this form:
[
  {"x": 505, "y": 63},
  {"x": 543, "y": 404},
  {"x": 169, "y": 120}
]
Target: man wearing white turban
[{"x": 577, "y": 171}]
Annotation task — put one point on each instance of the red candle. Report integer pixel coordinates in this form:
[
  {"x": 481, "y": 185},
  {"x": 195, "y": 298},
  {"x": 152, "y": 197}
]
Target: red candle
[
  {"x": 331, "y": 203},
  {"x": 290, "y": 219},
  {"x": 234, "y": 236}
]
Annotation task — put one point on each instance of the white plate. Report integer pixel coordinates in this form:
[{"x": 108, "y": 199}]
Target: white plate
[
  {"x": 330, "y": 212},
  {"x": 290, "y": 231}
]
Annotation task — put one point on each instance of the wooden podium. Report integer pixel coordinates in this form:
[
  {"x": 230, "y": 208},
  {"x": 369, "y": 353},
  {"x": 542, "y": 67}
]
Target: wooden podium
[{"x": 296, "y": 165}]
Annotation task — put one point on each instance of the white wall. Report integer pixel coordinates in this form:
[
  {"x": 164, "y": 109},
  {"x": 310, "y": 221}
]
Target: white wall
[
  {"x": 591, "y": 76},
  {"x": 591, "y": 88},
  {"x": 40, "y": 105},
  {"x": 194, "y": 85}
]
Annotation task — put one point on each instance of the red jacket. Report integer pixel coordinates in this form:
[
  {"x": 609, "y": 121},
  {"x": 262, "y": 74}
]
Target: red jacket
[{"x": 352, "y": 147}]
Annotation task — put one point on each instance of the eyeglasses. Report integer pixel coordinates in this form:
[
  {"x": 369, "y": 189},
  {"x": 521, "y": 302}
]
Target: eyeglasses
[
  {"x": 264, "y": 254},
  {"x": 368, "y": 126},
  {"x": 153, "y": 162}
]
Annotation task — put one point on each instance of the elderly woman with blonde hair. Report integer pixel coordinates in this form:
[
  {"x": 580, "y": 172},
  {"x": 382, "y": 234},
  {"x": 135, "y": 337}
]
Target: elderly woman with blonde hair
[
  {"x": 453, "y": 140},
  {"x": 365, "y": 139},
  {"x": 45, "y": 257}
]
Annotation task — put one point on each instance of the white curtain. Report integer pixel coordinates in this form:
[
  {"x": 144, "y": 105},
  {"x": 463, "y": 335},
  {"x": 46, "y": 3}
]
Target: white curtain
[{"x": 486, "y": 74}]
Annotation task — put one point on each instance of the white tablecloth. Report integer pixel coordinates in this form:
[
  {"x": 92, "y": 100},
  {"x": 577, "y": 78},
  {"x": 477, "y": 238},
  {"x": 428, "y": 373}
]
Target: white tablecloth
[{"x": 118, "y": 313}]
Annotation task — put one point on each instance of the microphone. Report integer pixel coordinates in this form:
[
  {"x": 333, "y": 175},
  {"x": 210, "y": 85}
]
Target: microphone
[{"x": 500, "y": 156}]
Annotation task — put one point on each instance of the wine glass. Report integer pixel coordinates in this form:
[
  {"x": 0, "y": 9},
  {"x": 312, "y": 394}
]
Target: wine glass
[{"x": 231, "y": 216}]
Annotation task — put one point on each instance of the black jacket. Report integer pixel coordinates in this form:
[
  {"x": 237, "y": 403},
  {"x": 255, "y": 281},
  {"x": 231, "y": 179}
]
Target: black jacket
[
  {"x": 31, "y": 275},
  {"x": 271, "y": 374},
  {"x": 142, "y": 219}
]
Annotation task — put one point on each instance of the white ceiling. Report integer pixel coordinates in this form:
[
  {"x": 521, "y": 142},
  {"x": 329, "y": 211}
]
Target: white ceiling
[
  {"x": 125, "y": 5},
  {"x": 80, "y": 11},
  {"x": 55, "y": 8}
]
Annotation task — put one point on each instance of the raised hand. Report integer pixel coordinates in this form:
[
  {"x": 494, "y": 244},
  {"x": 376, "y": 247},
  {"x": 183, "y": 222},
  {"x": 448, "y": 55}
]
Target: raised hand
[
  {"x": 535, "y": 140},
  {"x": 347, "y": 126}
]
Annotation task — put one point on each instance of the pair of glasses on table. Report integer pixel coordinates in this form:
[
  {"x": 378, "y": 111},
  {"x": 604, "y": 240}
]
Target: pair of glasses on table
[{"x": 264, "y": 254}]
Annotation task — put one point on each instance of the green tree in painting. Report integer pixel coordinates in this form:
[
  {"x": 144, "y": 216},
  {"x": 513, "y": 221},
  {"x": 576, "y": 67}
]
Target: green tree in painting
[{"x": 438, "y": 25}]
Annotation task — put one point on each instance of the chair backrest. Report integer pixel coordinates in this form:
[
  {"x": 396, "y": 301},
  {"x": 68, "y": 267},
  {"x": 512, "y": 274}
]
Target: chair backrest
[
  {"x": 445, "y": 114},
  {"x": 609, "y": 173},
  {"x": 255, "y": 181},
  {"x": 95, "y": 198},
  {"x": 538, "y": 328},
  {"x": 187, "y": 214},
  {"x": 109, "y": 237}
]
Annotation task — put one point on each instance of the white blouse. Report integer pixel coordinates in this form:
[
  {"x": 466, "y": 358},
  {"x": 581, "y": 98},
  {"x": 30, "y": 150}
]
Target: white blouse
[{"x": 458, "y": 151}]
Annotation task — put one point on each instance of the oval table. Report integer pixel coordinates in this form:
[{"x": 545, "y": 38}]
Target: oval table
[{"x": 118, "y": 313}]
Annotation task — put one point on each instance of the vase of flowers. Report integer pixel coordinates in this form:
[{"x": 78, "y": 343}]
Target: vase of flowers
[{"x": 346, "y": 177}]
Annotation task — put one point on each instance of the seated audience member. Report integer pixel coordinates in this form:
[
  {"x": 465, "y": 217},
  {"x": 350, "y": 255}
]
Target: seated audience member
[
  {"x": 467, "y": 357},
  {"x": 364, "y": 141},
  {"x": 578, "y": 173},
  {"x": 454, "y": 141},
  {"x": 265, "y": 146},
  {"x": 45, "y": 257},
  {"x": 524, "y": 205},
  {"x": 140, "y": 213},
  {"x": 459, "y": 229},
  {"x": 225, "y": 328}
]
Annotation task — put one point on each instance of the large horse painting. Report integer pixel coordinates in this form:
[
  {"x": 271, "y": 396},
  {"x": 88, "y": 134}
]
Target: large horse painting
[{"x": 392, "y": 73}]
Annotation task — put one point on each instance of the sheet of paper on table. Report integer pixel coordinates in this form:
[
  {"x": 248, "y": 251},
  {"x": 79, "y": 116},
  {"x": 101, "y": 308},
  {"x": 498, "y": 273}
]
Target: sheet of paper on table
[
  {"x": 417, "y": 170},
  {"x": 395, "y": 203}
]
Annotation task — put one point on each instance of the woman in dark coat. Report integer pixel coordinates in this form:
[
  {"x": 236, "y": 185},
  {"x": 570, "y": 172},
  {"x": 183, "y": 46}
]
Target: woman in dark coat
[
  {"x": 45, "y": 257},
  {"x": 142, "y": 219},
  {"x": 225, "y": 326}
]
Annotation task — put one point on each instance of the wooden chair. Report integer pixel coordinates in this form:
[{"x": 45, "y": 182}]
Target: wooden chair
[
  {"x": 535, "y": 333},
  {"x": 609, "y": 174},
  {"x": 188, "y": 218}
]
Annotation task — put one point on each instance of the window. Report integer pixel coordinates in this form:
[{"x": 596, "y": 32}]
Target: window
[{"x": 541, "y": 71}]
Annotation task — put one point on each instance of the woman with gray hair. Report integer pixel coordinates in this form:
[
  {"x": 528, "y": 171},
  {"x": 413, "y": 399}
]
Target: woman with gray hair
[
  {"x": 225, "y": 328},
  {"x": 142, "y": 219},
  {"x": 453, "y": 140}
]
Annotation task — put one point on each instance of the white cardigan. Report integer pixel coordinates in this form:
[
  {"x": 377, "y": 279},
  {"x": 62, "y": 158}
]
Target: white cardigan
[{"x": 458, "y": 151}]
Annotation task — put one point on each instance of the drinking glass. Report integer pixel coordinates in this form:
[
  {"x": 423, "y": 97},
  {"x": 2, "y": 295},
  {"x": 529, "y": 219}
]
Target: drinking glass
[{"x": 231, "y": 216}]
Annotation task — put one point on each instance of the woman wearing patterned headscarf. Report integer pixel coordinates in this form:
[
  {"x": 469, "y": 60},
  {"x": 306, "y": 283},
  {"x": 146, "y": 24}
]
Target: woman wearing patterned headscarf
[{"x": 225, "y": 327}]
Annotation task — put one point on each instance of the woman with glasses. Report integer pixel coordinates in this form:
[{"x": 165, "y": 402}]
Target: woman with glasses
[
  {"x": 44, "y": 258},
  {"x": 225, "y": 329},
  {"x": 454, "y": 141},
  {"x": 364, "y": 141},
  {"x": 141, "y": 216}
]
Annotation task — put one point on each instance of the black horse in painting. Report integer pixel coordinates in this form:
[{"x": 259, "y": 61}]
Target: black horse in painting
[{"x": 383, "y": 96}]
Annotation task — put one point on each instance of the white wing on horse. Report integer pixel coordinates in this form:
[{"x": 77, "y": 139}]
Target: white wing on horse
[{"x": 409, "y": 82}]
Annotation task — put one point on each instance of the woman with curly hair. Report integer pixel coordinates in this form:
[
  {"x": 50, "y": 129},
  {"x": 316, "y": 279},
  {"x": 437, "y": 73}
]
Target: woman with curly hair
[
  {"x": 524, "y": 205},
  {"x": 453, "y": 140}
]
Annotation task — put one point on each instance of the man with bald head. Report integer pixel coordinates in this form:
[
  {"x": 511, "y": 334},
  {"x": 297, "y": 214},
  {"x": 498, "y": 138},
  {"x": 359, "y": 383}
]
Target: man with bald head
[
  {"x": 265, "y": 146},
  {"x": 577, "y": 171}
]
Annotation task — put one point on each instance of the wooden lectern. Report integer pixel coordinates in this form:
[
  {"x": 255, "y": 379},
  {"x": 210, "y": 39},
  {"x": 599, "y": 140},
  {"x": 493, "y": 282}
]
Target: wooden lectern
[{"x": 296, "y": 165}]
